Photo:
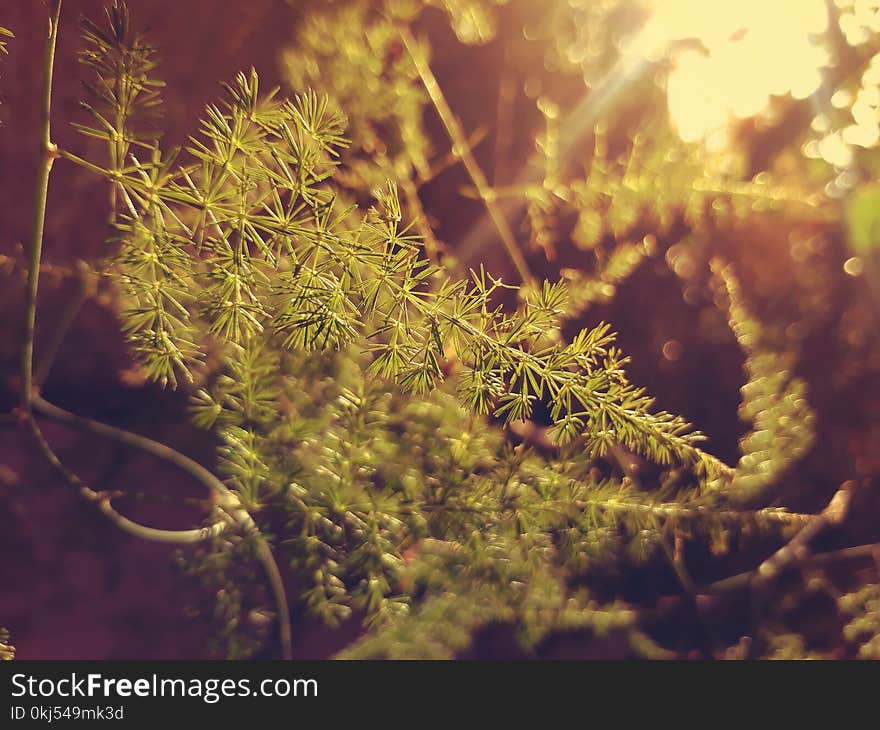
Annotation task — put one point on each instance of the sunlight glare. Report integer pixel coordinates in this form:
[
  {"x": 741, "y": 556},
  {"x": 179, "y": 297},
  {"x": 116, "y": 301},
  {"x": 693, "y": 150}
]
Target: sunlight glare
[{"x": 751, "y": 50}]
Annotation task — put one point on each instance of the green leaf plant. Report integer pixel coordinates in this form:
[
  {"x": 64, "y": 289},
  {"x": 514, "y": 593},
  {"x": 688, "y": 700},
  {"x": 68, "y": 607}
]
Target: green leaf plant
[{"x": 366, "y": 399}]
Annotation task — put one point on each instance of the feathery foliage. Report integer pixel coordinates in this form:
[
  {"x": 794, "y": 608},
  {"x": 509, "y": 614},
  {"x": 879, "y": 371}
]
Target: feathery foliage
[
  {"x": 863, "y": 628},
  {"x": 245, "y": 251},
  {"x": 248, "y": 242},
  {"x": 373, "y": 81},
  {"x": 366, "y": 399},
  {"x": 612, "y": 206},
  {"x": 772, "y": 399},
  {"x": 7, "y": 650},
  {"x": 4, "y": 45},
  {"x": 378, "y": 447},
  {"x": 5, "y": 33}
]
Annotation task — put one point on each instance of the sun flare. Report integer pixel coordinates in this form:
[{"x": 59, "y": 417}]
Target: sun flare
[{"x": 748, "y": 51}]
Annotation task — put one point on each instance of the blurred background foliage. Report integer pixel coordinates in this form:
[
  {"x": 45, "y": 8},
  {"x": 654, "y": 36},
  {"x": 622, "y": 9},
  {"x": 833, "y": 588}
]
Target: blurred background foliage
[{"x": 705, "y": 180}]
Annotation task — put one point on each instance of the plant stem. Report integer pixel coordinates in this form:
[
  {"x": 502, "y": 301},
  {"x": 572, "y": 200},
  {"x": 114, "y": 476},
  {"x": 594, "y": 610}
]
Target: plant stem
[
  {"x": 76, "y": 159},
  {"x": 47, "y": 155},
  {"x": 742, "y": 580},
  {"x": 224, "y": 497},
  {"x": 682, "y": 512},
  {"x": 463, "y": 151},
  {"x": 165, "y": 453},
  {"x": 30, "y": 399},
  {"x": 102, "y": 500},
  {"x": 795, "y": 551}
]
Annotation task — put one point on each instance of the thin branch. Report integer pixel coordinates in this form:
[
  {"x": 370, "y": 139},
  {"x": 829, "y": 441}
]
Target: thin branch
[
  {"x": 742, "y": 580},
  {"x": 449, "y": 159},
  {"x": 797, "y": 549},
  {"x": 793, "y": 552},
  {"x": 675, "y": 555},
  {"x": 673, "y": 510},
  {"x": 162, "y": 498},
  {"x": 77, "y": 160},
  {"x": 47, "y": 155},
  {"x": 463, "y": 150},
  {"x": 102, "y": 500},
  {"x": 539, "y": 436},
  {"x": 225, "y": 498},
  {"x": 57, "y": 272}
]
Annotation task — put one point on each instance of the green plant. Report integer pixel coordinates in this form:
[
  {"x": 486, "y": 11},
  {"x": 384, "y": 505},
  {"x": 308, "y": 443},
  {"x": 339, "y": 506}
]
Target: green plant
[
  {"x": 7, "y": 651},
  {"x": 863, "y": 627},
  {"x": 365, "y": 394}
]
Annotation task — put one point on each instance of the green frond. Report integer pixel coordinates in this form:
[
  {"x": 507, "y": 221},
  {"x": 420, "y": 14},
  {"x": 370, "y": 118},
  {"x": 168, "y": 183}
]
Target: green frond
[
  {"x": 862, "y": 608},
  {"x": 124, "y": 93},
  {"x": 773, "y": 400},
  {"x": 7, "y": 650},
  {"x": 4, "y": 33},
  {"x": 431, "y": 458},
  {"x": 473, "y": 21}
]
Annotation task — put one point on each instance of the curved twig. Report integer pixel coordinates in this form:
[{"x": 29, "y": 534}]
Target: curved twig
[
  {"x": 223, "y": 496},
  {"x": 102, "y": 500}
]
